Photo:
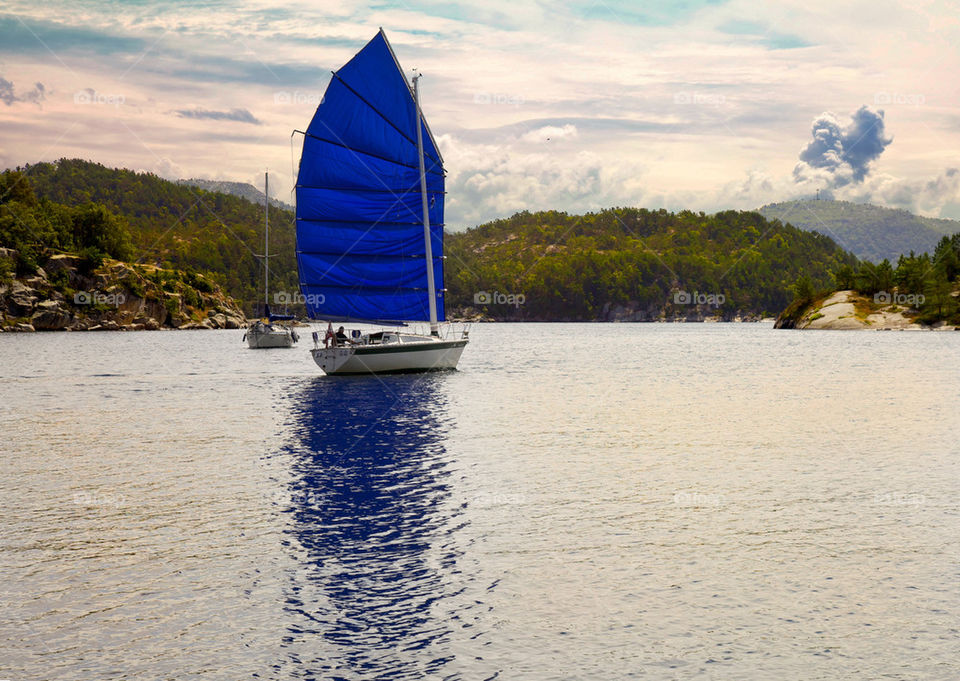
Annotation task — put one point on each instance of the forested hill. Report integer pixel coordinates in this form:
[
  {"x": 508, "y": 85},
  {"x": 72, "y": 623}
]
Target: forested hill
[
  {"x": 618, "y": 264},
  {"x": 870, "y": 232},
  {"x": 178, "y": 226},
  {"x": 634, "y": 264}
]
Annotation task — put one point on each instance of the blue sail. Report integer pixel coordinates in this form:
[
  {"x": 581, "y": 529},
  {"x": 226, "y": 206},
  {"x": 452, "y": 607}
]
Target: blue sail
[{"x": 360, "y": 244}]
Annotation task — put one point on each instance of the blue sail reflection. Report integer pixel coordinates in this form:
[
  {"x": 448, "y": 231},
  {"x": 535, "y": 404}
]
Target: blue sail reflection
[{"x": 371, "y": 530}]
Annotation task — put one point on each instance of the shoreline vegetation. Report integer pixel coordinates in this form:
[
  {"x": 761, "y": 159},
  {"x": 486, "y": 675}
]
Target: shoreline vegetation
[
  {"x": 633, "y": 265},
  {"x": 84, "y": 208},
  {"x": 921, "y": 292},
  {"x": 85, "y": 247},
  {"x": 67, "y": 266},
  {"x": 69, "y": 292}
]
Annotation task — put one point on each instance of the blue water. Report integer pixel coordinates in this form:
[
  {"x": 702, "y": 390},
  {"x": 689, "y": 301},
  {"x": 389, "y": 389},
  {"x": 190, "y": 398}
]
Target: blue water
[{"x": 698, "y": 501}]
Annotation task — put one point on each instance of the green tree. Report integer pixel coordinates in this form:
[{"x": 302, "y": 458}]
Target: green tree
[
  {"x": 939, "y": 303},
  {"x": 94, "y": 226},
  {"x": 803, "y": 289},
  {"x": 845, "y": 277}
]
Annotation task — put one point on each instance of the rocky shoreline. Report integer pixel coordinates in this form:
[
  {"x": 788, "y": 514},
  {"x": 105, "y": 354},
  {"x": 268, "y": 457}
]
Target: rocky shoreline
[
  {"x": 69, "y": 293},
  {"x": 848, "y": 310}
]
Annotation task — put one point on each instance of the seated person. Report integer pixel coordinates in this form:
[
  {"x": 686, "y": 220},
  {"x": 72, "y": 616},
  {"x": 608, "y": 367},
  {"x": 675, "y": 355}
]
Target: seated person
[{"x": 341, "y": 337}]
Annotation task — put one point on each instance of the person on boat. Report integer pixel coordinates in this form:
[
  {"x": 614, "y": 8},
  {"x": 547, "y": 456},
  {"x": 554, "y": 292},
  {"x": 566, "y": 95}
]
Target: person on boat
[
  {"x": 330, "y": 336},
  {"x": 342, "y": 337}
]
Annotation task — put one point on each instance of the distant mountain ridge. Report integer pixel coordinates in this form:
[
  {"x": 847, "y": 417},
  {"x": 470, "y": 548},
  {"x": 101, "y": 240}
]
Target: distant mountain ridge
[
  {"x": 869, "y": 232},
  {"x": 244, "y": 190}
]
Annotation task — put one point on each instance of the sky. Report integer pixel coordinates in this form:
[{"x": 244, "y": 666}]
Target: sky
[{"x": 576, "y": 106}]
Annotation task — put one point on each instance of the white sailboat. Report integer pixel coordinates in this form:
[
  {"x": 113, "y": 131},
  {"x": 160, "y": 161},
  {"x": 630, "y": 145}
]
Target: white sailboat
[
  {"x": 265, "y": 332},
  {"x": 370, "y": 193},
  {"x": 389, "y": 352}
]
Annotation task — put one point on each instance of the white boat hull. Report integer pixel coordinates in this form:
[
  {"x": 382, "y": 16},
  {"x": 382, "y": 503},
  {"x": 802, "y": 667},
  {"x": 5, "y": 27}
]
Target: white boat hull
[
  {"x": 429, "y": 355},
  {"x": 257, "y": 340}
]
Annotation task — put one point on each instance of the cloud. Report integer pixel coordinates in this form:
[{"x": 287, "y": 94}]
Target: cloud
[
  {"x": 166, "y": 169},
  {"x": 925, "y": 197},
  {"x": 8, "y": 93},
  {"x": 549, "y": 133},
  {"x": 239, "y": 115},
  {"x": 763, "y": 33},
  {"x": 837, "y": 156},
  {"x": 486, "y": 181},
  {"x": 930, "y": 197},
  {"x": 666, "y": 104},
  {"x": 837, "y": 163}
]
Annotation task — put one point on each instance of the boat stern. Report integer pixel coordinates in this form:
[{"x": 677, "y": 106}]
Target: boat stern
[
  {"x": 430, "y": 355},
  {"x": 331, "y": 360}
]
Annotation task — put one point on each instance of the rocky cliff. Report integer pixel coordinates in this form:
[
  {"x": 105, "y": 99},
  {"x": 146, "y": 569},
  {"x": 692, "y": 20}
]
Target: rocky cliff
[{"x": 70, "y": 293}]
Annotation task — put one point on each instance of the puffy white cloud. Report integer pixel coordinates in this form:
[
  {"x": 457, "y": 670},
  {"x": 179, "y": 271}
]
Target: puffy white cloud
[
  {"x": 488, "y": 181},
  {"x": 841, "y": 154}
]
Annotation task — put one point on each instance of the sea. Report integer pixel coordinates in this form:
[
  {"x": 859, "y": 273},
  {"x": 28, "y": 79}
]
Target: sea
[{"x": 577, "y": 501}]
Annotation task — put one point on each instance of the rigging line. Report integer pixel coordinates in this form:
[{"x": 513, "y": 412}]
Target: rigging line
[
  {"x": 384, "y": 214},
  {"x": 377, "y": 111},
  {"x": 374, "y": 224},
  {"x": 368, "y": 168},
  {"x": 293, "y": 176},
  {"x": 403, "y": 75}
]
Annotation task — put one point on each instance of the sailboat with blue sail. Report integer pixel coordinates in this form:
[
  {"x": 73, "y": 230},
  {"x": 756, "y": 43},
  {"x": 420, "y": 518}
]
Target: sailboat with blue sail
[{"x": 369, "y": 208}]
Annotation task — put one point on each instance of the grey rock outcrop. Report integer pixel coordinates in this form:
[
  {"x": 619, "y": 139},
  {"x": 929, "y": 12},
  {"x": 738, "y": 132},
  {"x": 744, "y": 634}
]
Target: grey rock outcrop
[
  {"x": 51, "y": 315},
  {"x": 62, "y": 296}
]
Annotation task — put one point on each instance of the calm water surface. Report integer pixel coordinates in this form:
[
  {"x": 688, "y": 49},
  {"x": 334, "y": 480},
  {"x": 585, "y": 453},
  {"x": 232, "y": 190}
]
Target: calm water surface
[{"x": 577, "y": 502}]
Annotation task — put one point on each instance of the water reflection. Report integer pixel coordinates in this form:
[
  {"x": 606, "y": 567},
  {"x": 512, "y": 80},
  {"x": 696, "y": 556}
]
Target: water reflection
[{"x": 371, "y": 530}]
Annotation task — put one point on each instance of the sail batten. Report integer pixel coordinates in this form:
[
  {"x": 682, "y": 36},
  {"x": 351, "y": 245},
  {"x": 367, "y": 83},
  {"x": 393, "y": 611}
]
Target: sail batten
[
  {"x": 361, "y": 151},
  {"x": 369, "y": 189},
  {"x": 361, "y": 244}
]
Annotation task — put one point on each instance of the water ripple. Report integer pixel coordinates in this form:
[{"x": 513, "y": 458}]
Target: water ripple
[{"x": 577, "y": 502}]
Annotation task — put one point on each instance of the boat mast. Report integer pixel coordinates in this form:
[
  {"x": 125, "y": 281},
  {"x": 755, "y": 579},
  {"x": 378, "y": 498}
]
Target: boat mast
[
  {"x": 431, "y": 284},
  {"x": 266, "y": 242}
]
